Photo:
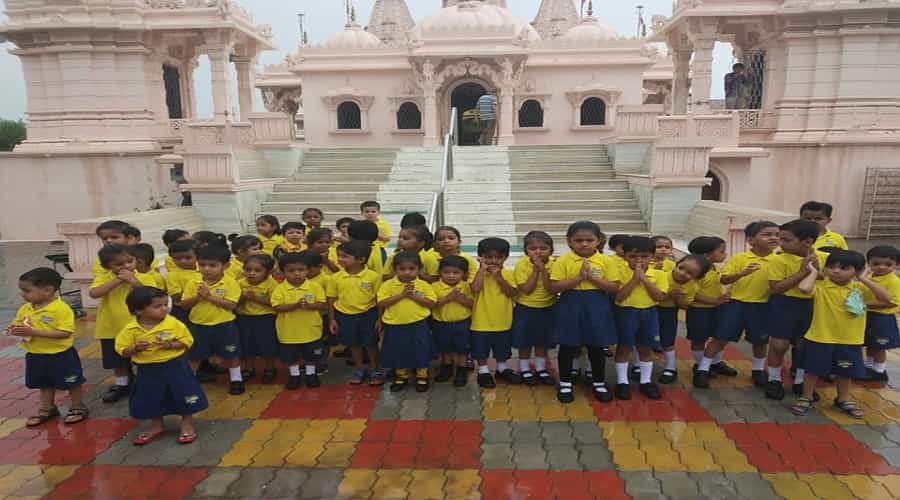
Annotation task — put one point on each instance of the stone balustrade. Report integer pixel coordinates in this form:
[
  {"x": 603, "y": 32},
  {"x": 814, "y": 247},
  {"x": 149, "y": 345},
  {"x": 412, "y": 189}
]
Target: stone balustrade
[
  {"x": 638, "y": 121},
  {"x": 711, "y": 131},
  {"x": 727, "y": 220},
  {"x": 272, "y": 129}
]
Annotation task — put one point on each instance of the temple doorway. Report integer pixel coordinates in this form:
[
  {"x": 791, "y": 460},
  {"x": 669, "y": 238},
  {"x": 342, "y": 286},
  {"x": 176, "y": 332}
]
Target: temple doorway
[
  {"x": 713, "y": 191},
  {"x": 172, "y": 81},
  {"x": 465, "y": 98}
]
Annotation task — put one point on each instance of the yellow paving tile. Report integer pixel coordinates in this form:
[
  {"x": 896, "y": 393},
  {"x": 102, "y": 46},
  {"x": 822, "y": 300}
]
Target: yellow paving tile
[
  {"x": 630, "y": 459},
  {"x": 877, "y": 410},
  {"x": 44, "y": 483},
  {"x": 241, "y": 454},
  {"x": 532, "y": 404},
  {"x": 336, "y": 455},
  {"x": 16, "y": 476},
  {"x": 732, "y": 460},
  {"x": 273, "y": 454},
  {"x": 261, "y": 430},
  {"x": 392, "y": 484},
  {"x": 427, "y": 484},
  {"x": 462, "y": 484},
  {"x": 552, "y": 413},
  {"x": 890, "y": 483},
  {"x": 827, "y": 487},
  {"x": 866, "y": 487},
  {"x": 697, "y": 459},
  {"x": 790, "y": 486},
  {"x": 305, "y": 454},
  {"x": 10, "y": 425},
  {"x": 357, "y": 483}
]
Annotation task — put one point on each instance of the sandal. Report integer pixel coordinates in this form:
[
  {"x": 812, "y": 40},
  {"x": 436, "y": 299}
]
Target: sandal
[
  {"x": 357, "y": 377},
  {"x": 145, "y": 438},
  {"x": 802, "y": 406},
  {"x": 44, "y": 415},
  {"x": 76, "y": 414},
  {"x": 377, "y": 378},
  {"x": 849, "y": 407},
  {"x": 187, "y": 438}
]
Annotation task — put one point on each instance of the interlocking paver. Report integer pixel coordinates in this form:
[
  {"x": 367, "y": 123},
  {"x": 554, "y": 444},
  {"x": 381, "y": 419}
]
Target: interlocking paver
[
  {"x": 217, "y": 438},
  {"x": 216, "y": 483},
  {"x": 120, "y": 481}
]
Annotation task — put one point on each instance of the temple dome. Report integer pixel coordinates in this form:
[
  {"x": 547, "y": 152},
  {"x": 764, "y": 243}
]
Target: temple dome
[
  {"x": 589, "y": 31},
  {"x": 353, "y": 37},
  {"x": 466, "y": 18}
]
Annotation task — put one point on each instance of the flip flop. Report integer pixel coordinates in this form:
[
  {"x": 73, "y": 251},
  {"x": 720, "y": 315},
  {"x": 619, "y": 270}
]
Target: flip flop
[
  {"x": 77, "y": 414},
  {"x": 43, "y": 416},
  {"x": 186, "y": 438},
  {"x": 145, "y": 438}
]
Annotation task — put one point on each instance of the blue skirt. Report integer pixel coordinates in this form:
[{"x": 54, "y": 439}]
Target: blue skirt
[
  {"x": 407, "y": 346},
  {"x": 584, "y": 317},
  {"x": 168, "y": 388},
  {"x": 258, "y": 336},
  {"x": 532, "y": 327}
]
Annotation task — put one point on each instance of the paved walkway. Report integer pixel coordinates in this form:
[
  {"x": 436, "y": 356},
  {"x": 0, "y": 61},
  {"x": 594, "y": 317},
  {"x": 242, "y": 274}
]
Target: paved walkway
[{"x": 513, "y": 442}]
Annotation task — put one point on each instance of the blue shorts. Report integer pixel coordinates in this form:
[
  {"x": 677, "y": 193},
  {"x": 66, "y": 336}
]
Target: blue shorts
[
  {"x": 310, "y": 352},
  {"x": 484, "y": 343},
  {"x": 790, "y": 317},
  {"x": 584, "y": 317},
  {"x": 53, "y": 371},
  {"x": 532, "y": 327},
  {"x": 356, "y": 330},
  {"x": 701, "y": 323},
  {"x": 407, "y": 346},
  {"x": 168, "y": 388},
  {"x": 833, "y": 359},
  {"x": 111, "y": 359},
  {"x": 637, "y": 326},
  {"x": 180, "y": 314},
  {"x": 882, "y": 332},
  {"x": 668, "y": 325},
  {"x": 258, "y": 337},
  {"x": 222, "y": 340},
  {"x": 748, "y": 318},
  {"x": 452, "y": 337}
]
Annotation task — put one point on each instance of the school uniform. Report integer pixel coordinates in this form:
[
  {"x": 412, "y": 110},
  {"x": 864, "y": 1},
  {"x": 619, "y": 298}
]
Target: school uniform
[
  {"x": 235, "y": 269},
  {"x": 790, "y": 312},
  {"x": 748, "y": 310},
  {"x": 175, "y": 280},
  {"x": 701, "y": 318},
  {"x": 473, "y": 264},
  {"x": 452, "y": 322},
  {"x": 214, "y": 329},
  {"x": 165, "y": 383},
  {"x": 332, "y": 256},
  {"x": 158, "y": 279},
  {"x": 113, "y": 315},
  {"x": 50, "y": 363},
  {"x": 430, "y": 262},
  {"x": 384, "y": 230},
  {"x": 667, "y": 310},
  {"x": 327, "y": 283},
  {"x": 492, "y": 317},
  {"x": 269, "y": 244},
  {"x": 288, "y": 247},
  {"x": 256, "y": 322},
  {"x": 584, "y": 314},
  {"x": 533, "y": 315},
  {"x": 406, "y": 342},
  {"x": 170, "y": 264},
  {"x": 834, "y": 341},
  {"x": 830, "y": 239},
  {"x": 376, "y": 261},
  {"x": 637, "y": 321},
  {"x": 667, "y": 266},
  {"x": 881, "y": 324},
  {"x": 354, "y": 306},
  {"x": 300, "y": 330}
]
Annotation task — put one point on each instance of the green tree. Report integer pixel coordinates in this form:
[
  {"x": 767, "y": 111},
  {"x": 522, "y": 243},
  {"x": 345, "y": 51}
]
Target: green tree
[{"x": 12, "y": 132}]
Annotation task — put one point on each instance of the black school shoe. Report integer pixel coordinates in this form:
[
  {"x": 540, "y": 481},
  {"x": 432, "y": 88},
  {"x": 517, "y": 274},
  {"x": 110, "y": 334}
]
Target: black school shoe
[
  {"x": 759, "y": 378},
  {"x": 564, "y": 393},
  {"x": 601, "y": 392},
  {"x": 486, "y": 381},
  {"x": 399, "y": 384},
  {"x": 635, "y": 373},
  {"x": 623, "y": 392},
  {"x": 650, "y": 390},
  {"x": 874, "y": 376},
  {"x": 248, "y": 374},
  {"x": 461, "y": 377},
  {"x": 775, "y": 390},
  {"x": 312, "y": 380},
  {"x": 528, "y": 378},
  {"x": 701, "y": 379},
  {"x": 293, "y": 383},
  {"x": 668, "y": 377},
  {"x": 510, "y": 377},
  {"x": 444, "y": 373},
  {"x": 422, "y": 385},
  {"x": 236, "y": 388},
  {"x": 545, "y": 378},
  {"x": 116, "y": 393},
  {"x": 723, "y": 369}
]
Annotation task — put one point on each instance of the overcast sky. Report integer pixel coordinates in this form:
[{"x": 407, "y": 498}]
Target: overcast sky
[{"x": 325, "y": 17}]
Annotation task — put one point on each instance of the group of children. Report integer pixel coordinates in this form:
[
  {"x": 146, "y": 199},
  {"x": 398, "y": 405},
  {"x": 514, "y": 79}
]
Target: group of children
[{"x": 290, "y": 291}]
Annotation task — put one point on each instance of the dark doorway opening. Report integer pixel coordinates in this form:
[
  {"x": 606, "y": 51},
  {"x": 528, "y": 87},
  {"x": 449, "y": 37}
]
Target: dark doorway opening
[
  {"x": 713, "y": 192},
  {"x": 172, "y": 81},
  {"x": 465, "y": 98}
]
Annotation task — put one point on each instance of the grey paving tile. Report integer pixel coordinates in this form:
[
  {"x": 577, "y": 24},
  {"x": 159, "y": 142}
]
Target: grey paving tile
[
  {"x": 321, "y": 483},
  {"x": 563, "y": 457},
  {"x": 530, "y": 457},
  {"x": 496, "y": 432},
  {"x": 467, "y": 411},
  {"x": 642, "y": 486},
  {"x": 587, "y": 432},
  {"x": 526, "y": 432},
  {"x": 715, "y": 485},
  {"x": 557, "y": 433},
  {"x": 595, "y": 457},
  {"x": 678, "y": 485},
  {"x": 497, "y": 456},
  {"x": 752, "y": 486},
  {"x": 287, "y": 483},
  {"x": 216, "y": 483},
  {"x": 890, "y": 454},
  {"x": 252, "y": 483}
]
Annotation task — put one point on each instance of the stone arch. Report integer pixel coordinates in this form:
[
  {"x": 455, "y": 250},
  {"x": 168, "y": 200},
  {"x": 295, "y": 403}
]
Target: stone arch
[
  {"x": 593, "y": 111},
  {"x": 349, "y": 115},
  {"x": 409, "y": 116},
  {"x": 718, "y": 190},
  {"x": 531, "y": 114}
]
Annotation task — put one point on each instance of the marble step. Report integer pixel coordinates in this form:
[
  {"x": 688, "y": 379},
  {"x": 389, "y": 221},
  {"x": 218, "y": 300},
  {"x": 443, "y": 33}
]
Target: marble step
[
  {"x": 476, "y": 185},
  {"x": 516, "y": 175},
  {"x": 463, "y": 196}
]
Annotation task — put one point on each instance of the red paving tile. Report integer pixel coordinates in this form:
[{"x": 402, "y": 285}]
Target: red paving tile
[
  {"x": 676, "y": 405},
  {"x": 327, "y": 401},
  {"x": 121, "y": 481},
  {"x": 683, "y": 351},
  {"x": 402, "y": 444},
  {"x": 569, "y": 485},
  {"x": 805, "y": 449},
  {"x": 60, "y": 444}
]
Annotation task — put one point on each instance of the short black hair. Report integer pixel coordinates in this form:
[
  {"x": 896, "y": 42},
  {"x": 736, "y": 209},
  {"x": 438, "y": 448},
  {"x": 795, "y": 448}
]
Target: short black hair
[
  {"x": 143, "y": 252},
  {"x": 173, "y": 235},
  {"x": 699, "y": 259},
  {"x": 293, "y": 225},
  {"x": 638, "y": 244},
  {"x": 287, "y": 259},
  {"x": 617, "y": 240},
  {"x": 884, "y": 252},
  {"x": 311, "y": 258},
  {"x": 110, "y": 252},
  {"x": 112, "y": 225},
  {"x": 455, "y": 261},
  {"x": 407, "y": 256},
  {"x": 42, "y": 276},
  {"x": 538, "y": 236},
  {"x": 802, "y": 229},
  {"x": 241, "y": 243},
  {"x": 449, "y": 229},
  {"x": 343, "y": 220},
  {"x": 705, "y": 244},
  {"x": 264, "y": 260},
  {"x": 204, "y": 238},
  {"x": 845, "y": 258},
  {"x": 413, "y": 219},
  {"x": 364, "y": 230},
  {"x": 369, "y": 203},
  {"x": 312, "y": 209},
  {"x": 817, "y": 206},
  {"x": 317, "y": 234},
  {"x": 498, "y": 245},
  {"x": 179, "y": 246},
  {"x": 142, "y": 297},
  {"x": 132, "y": 231},
  {"x": 659, "y": 237},
  {"x": 356, "y": 248},
  {"x": 272, "y": 221},
  {"x": 754, "y": 228},
  {"x": 738, "y": 66},
  {"x": 829, "y": 249},
  {"x": 217, "y": 253},
  {"x": 583, "y": 225}
]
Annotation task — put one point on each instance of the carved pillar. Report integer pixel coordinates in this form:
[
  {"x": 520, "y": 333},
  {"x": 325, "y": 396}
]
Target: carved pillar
[
  {"x": 682, "y": 59},
  {"x": 431, "y": 117},
  {"x": 221, "y": 82},
  {"x": 244, "y": 68},
  {"x": 506, "y": 117},
  {"x": 701, "y": 68}
]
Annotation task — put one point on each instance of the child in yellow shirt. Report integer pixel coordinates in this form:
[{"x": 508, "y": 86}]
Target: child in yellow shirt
[
  {"x": 702, "y": 314},
  {"x": 405, "y": 302},
  {"x": 413, "y": 239},
  {"x": 242, "y": 247},
  {"x": 145, "y": 257},
  {"x": 447, "y": 242},
  {"x": 294, "y": 234},
  {"x": 683, "y": 287},
  {"x": 318, "y": 274},
  {"x": 165, "y": 383},
  {"x": 256, "y": 318},
  {"x": 366, "y": 231},
  {"x": 533, "y": 315},
  {"x": 312, "y": 217},
  {"x": 268, "y": 230},
  {"x": 452, "y": 326},
  {"x": 320, "y": 241},
  {"x": 492, "y": 314},
  {"x": 820, "y": 213},
  {"x": 183, "y": 269},
  {"x": 371, "y": 211},
  {"x": 881, "y": 321},
  {"x": 171, "y": 236}
]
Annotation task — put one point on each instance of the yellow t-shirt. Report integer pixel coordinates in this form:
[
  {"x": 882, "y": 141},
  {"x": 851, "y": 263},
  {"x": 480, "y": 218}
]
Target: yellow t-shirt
[
  {"x": 711, "y": 286},
  {"x": 784, "y": 265},
  {"x": 113, "y": 314},
  {"x": 289, "y": 247},
  {"x": 270, "y": 244},
  {"x": 690, "y": 290},
  {"x": 407, "y": 311},
  {"x": 56, "y": 316},
  {"x": 667, "y": 266},
  {"x": 429, "y": 263},
  {"x": 540, "y": 297},
  {"x": 300, "y": 326},
  {"x": 167, "y": 330},
  {"x": 830, "y": 239},
  {"x": 493, "y": 309},
  {"x": 98, "y": 270},
  {"x": 375, "y": 263},
  {"x": 569, "y": 266},
  {"x": 753, "y": 288},
  {"x": 235, "y": 269},
  {"x": 620, "y": 263},
  {"x": 451, "y": 311},
  {"x": 333, "y": 257},
  {"x": 206, "y": 313},
  {"x": 473, "y": 264},
  {"x": 384, "y": 230},
  {"x": 263, "y": 289},
  {"x": 177, "y": 277},
  {"x": 831, "y": 322},
  {"x": 159, "y": 279},
  {"x": 326, "y": 281},
  {"x": 640, "y": 297},
  {"x": 891, "y": 283},
  {"x": 355, "y": 293}
]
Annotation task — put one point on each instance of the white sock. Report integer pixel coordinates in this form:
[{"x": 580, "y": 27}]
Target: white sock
[
  {"x": 576, "y": 364},
  {"x": 524, "y": 365},
  {"x": 635, "y": 358},
  {"x": 774, "y": 373},
  {"x": 540, "y": 364},
  {"x": 122, "y": 381},
  {"x": 586, "y": 364},
  {"x": 501, "y": 366},
  {"x": 870, "y": 362},
  {"x": 698, "y": 356},
  {"x": 718, "y": 357},
  {"x": 622, "y": 373},
  {"x": 235, "y": 374},
  {"x": 705, "y": 363},
  {"x": 879, "y": 367},
  {"x": 759, "y": 363},
  {"x": 483, "y": 369},
  {"x": 670, "y": 360},
  {"x": 310, "y": 369},
  {"x": 646, "y": 371},
  {"x": 294, "y": 370},
  {"x": 798, "y": 376}
]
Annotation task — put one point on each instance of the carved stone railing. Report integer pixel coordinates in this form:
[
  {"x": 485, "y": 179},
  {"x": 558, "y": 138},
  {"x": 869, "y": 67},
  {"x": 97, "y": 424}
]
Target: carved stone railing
[
  {"x": 209, "y": 149},
  {"x": 699, "y": 130},
  {"x": 727, "y": 220},
  {"x": 638, "y": 121},
  {"x": 272, "y": 129}
]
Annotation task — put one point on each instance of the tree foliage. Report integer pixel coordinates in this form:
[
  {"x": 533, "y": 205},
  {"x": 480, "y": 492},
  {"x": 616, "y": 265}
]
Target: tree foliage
[{"x": 12, "y": 132}]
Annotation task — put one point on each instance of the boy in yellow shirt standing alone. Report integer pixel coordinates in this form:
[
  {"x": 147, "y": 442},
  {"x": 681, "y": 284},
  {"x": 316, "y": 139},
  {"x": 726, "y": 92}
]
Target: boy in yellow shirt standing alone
[
  {"x": 881, "y": 322},
  {"x": 492, "y": 314}
]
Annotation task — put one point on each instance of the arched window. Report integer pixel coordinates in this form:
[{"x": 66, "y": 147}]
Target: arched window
[
  {"x": 593, "y": 111},
  {"x": 531, "y": 114},
  {"x": 409, "y": 117},
  {"x": 349, "y": 116}
]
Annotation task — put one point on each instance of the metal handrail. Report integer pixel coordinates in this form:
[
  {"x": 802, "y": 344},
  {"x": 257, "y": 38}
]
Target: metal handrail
[{"x": 436, "y": 214}]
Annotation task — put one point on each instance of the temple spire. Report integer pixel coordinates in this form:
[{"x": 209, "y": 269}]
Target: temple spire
[
  {"x": 555, "y": 17},
  {"x": 390, "y": 21}
]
